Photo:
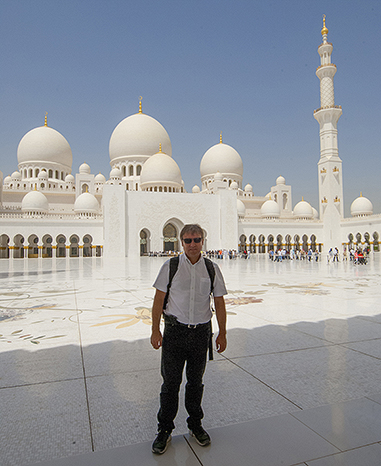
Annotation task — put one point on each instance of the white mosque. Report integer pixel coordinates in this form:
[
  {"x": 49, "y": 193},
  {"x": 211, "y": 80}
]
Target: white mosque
[{"x": 46, "y": 211}]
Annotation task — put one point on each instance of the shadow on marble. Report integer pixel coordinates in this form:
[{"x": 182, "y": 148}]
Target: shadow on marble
[
  {"x": 275, "y": 441},
  {"x": 364, "y": 456},
  {"x": 346, "y": 425}
]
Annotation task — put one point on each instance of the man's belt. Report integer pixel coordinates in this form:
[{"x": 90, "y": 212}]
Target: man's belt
[{"x": 172, "y": 320}]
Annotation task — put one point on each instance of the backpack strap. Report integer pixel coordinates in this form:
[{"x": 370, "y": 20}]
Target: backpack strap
[
  {"x": 173, "y": 266},
  {"x": 211, "y": 271}
]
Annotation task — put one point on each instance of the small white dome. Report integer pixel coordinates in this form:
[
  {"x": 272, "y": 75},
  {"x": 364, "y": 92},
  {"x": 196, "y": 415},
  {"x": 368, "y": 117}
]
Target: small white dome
[
  {"x": 222, "y": 158},
  {"x": 217, "y": 177},
  {"x": 42, "y": 175},
  {"x": 100, "y": 178},
  {"x": 303, "y": 210},
  {"x": 34, "y": 201},
  {"x": 115, "y": 174},
  {"x": 86, "y": 203},
  {"x": 7, "y": 179},
  {"x": 270, "y": 209},
  {"x": 234, "y": 185},
  {"x": 241, "y": 209},
  {"x": 280, "y": 180},
  {"x": 160, "y": 169},
  {"x": 85, "y": 169},
  {"x": 138, "y": 135},
  {"x": 16, "y": 175},
  {"x": 44, "y": 144},
  {"x": 361, "y": 206},
  {"x": 69, "y": 178},
  {"x": 248, "y": 188},
  {"x": 195, "y": 189}
]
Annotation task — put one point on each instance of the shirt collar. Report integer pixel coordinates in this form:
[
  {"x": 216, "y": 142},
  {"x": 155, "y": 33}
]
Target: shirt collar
[{"x": 189, "y": 262}]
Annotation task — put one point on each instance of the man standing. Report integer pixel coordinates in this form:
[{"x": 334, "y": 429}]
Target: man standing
[{"x": 187, "y": 333}]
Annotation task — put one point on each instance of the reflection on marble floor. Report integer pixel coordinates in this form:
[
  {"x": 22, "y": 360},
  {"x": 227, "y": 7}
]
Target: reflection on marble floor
[{"x": 76, "y": 360}]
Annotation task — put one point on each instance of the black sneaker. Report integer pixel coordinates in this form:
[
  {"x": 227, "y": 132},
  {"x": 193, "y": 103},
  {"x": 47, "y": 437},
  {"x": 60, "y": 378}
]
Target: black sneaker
[
  {"x": 202, "y": 437},
  {"x": 161, "y": 442}
]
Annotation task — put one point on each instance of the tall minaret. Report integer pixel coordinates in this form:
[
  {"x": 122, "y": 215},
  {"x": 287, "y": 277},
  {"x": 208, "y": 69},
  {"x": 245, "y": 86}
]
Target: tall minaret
[{"x": 330, "y": 165}]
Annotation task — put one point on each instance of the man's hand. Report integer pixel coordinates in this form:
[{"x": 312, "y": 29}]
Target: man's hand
[
  {"x": 221, "y": 343},
  {"x": 219, "y": 304},
  {"x": 156, "y": 339},
  {"x": 157, "y": 310}
]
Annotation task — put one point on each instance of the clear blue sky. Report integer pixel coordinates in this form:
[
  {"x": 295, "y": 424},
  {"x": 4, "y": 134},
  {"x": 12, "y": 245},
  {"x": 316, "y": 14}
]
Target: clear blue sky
[{"x": 246, "y": 68}]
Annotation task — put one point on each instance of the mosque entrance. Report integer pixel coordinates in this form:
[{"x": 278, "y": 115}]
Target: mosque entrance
[
  {"x": 144, "y": 242},
  {"x": 170, "y": 240}
]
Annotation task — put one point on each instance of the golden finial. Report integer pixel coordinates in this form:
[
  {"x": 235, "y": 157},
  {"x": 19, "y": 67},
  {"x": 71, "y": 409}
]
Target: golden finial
[
  {"x": 140, "y": 104},
  {"x": 221, "y": 137},
  {"x": 324, "y": 30},
  {"x": 303, "y": 198},
  {"x": 361, "y": 194},
  {"x": 46, "y": 118},
  {"x": 160, "y": 148}
]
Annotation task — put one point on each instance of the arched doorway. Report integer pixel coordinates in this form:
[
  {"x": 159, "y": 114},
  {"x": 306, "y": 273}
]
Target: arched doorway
[
  {"x": 297, "y": 242},
  {"x": 144, "y": 242},
  {"x": 4, "y": 247},
  {"x": 170, "y": 240},
  {"x": 87, "y": 246},
  {"x": 242, "y": 243},
  {"x": 305, "y": 243},
  {"x": 32, "y": 246},
  {"x": 313, "y": 242},
  {"x": 270, "y": 240},
  {"x": 47, "y": 250},
  {"x": 261, "y": 245},
  {"x": 61, "y": 246},
  {"x": 18, "y": 248},
  {"x": 74, "y": 247},
  {"x": 375, "y": 242},
  {"x": 252, "y": 243},
  {"x": 288, "y": 242}
]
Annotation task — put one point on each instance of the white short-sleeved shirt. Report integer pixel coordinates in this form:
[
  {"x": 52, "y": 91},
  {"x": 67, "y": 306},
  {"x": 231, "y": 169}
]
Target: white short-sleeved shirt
[{"x": 189, "y": 296}]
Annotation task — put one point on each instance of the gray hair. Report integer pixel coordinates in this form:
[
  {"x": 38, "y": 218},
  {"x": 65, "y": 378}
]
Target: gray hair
[{"x": 193, "y": 228}]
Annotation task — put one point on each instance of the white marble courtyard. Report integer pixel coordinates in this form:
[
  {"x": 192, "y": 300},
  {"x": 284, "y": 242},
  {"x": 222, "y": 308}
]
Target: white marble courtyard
[{"x": 300, "y": 380}]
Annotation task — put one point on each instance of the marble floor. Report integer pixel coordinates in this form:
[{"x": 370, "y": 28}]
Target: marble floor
[{"x": 300, "y": 381}]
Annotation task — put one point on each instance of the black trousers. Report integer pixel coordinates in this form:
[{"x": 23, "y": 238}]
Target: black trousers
[{"x": 181, "y": 345}]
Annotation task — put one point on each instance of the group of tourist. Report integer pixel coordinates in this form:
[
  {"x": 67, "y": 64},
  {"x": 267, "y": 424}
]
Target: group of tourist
[
  {"x": 357, "y": 256},
  {"x": 294, "y": 254}
]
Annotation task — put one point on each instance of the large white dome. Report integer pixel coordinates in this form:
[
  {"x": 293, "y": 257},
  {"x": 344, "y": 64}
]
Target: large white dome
[
  {"x": 221, "y": 158},
  {"x": 361, "y": 206},
  {"x": 138, "y": 135},
  {"x": 44, "y": 144},
  {"x": 160, "y": 169},
  {"x": 34, "y": 201},
  {"x": 303, "y": 210},
  {"x": 270, "y": 209},
  {"x": 86, "y": 203}
]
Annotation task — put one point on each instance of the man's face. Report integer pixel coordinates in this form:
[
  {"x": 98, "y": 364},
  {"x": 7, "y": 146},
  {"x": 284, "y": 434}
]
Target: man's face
[{"x": 193, "y": 249}]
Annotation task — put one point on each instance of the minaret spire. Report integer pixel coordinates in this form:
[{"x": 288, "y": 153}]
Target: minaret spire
[{"x": 330, "y": 164}]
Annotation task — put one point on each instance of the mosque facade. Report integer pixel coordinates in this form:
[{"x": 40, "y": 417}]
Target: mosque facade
[{"x": 46, "y": 211}]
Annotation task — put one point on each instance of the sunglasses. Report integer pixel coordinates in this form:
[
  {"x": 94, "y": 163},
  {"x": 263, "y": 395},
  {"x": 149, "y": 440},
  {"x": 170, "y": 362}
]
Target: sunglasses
[{"x": 189, "y": 240}]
